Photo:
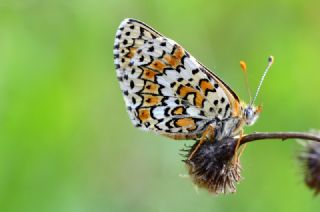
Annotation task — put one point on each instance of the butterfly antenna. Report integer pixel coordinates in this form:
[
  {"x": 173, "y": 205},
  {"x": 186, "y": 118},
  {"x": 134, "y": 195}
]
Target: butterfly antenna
[
  {"x": 243, "y": 66},
  {"x": 270, "y": 62}
]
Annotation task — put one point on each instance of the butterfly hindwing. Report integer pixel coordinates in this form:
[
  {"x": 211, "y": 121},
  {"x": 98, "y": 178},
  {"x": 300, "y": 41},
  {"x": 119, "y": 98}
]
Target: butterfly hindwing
[{"x": 166, "y": 90}]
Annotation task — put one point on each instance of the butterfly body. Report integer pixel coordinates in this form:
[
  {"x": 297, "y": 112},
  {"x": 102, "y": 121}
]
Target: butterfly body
[{"x": 167, "y": 91}]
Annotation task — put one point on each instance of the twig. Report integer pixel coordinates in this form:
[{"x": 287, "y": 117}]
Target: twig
[{"x": 278, "y": 135}]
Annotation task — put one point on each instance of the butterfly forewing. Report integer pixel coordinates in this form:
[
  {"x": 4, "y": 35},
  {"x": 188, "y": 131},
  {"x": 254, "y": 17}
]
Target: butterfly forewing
[{"x": 165, "y": 89}]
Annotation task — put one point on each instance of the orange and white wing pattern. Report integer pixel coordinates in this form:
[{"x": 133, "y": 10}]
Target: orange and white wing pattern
[{"x": 166, "y": 90}]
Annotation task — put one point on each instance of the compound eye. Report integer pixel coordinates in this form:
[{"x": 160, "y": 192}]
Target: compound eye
[
  {"x": 247, "y": 113},
  {"x": 250, "y": 114}
]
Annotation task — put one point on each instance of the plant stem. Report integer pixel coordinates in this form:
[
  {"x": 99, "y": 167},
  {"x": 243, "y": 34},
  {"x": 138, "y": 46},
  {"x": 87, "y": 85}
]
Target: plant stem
[{"x": 278, "y": 135}]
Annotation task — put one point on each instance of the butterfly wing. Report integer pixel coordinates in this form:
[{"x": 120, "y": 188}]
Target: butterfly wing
[{"x": 166, "y": 90}]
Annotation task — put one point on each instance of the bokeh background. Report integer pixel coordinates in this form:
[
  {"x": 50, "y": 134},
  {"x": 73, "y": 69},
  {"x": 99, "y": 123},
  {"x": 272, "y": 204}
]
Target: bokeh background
[{"x": 67, "y": 144}]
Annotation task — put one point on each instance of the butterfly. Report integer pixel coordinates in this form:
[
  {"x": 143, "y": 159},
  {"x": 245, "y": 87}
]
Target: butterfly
[{"x": 167, "y": 91}]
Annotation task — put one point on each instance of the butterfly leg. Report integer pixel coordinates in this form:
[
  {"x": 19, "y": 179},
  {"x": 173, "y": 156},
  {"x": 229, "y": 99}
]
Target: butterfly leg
[
  {"x": 242, "y": 150},
  {"x": 209, "y": 132},
  {"x": 236, "y": 155}
]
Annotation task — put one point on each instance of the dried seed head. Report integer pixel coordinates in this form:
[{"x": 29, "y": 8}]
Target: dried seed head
[
  {"x": 212, "y": 166},
  {"x": 310, "y": 158}
]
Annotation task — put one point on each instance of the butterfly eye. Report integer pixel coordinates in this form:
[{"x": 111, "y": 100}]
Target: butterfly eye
[{"x": 249, "y": 114}]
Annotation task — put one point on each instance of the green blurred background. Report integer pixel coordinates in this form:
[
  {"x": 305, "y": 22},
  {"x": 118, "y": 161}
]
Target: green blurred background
[{"x": 67, "y": 144}]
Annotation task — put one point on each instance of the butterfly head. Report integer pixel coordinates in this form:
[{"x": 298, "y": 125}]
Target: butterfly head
[{"x": 251, "y": 114}]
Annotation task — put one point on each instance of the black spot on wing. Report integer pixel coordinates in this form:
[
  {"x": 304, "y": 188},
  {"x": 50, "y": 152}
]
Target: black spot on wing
[
  {"x": 227, "y": 108},
  {"x": 151, "y": 49},
  {"x": 195, "y": 71},
  {"x": 166, "y": 111},
  {"x": 133, "y": 100},
  {"x": 131, "y": 84}
]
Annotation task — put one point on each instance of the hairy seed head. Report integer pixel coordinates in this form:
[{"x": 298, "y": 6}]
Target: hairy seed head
[
  {"x": 214, "y": 167},
  {"x": 310, "y": 157}
]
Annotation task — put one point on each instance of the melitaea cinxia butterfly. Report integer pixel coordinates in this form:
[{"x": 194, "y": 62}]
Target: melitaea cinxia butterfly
[{"x": 166, "y": 90}]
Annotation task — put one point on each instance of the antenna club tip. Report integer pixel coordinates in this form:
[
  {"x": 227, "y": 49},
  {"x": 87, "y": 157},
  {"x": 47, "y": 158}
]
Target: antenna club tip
[
  {"x": 271, "y": 59},
  {"x": 243, "y": 66}
]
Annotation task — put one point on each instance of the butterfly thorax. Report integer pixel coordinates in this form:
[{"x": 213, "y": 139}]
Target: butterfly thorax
[
  {"x": 228, "y": 127},
  {"x": 233, "y": 125}
]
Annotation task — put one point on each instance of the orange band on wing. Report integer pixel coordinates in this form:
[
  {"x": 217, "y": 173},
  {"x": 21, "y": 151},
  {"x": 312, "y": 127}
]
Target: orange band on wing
[
  {"x": 205, "y": 85},
  {"x": 172, "y": 61},
  {"x": 236, "y": 108},
  {"x": 131, "y": 52},
  {"x": 144, "y": 114},
  {"x": 149, "y": 74},
  {"x": 179, "y": 52},
  {"x": 157, "y": 65},
  {"x": 185, "y": 122},
  {"x": 185, "y": 90},
  {"x": 151, "y": 87},
  {"x": 150, "y": 100},
  {"x": 178, "y": 110}
]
